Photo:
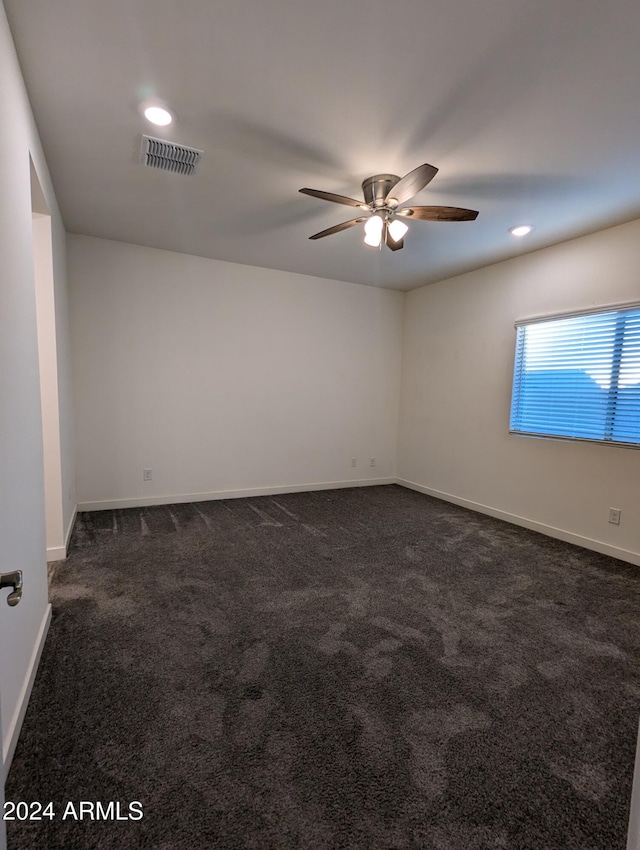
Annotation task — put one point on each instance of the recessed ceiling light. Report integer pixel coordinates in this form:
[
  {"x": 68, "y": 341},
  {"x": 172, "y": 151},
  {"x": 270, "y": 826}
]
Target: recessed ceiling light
[
  {"x": 521, "y": 229},
  {"x": 158, "y": 115},
  {"x": 156, "y": 111}
]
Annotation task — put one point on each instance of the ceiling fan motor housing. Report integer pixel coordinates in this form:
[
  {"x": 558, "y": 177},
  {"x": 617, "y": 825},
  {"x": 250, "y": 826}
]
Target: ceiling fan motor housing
[{"x": 377, "y": 188}]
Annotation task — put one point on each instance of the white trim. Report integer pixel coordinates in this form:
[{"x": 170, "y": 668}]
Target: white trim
[
  {"x": 615, "y": 443},
  {"x": 56, "y": 553},
  {"x": 549, "y": 530},
  {"x": 174, "y": 499},
  {"x": 606, "y": 308},
  {"x": 13, "y": 730},
  {"x": 72, "y": 522},
  {"x": 59, "y": 553},
  {"x": 633, "y": 835}
]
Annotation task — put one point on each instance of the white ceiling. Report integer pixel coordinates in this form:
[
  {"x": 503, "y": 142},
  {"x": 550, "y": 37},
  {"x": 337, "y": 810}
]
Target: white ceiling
[{"x": 531, "y": 111}]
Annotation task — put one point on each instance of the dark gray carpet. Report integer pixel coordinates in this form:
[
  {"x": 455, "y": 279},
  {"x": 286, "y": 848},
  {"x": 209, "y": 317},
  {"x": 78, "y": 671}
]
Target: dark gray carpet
[{"x": 364, "y": 669}]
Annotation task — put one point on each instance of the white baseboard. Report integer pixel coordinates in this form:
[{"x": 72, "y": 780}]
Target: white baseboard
[
  {"x": 67, "y": 536},
  {"x": 549, "y": 530},
  {"x": 173, "y": 499},
  {"x": 13, "y": 731},
  {"x": 633, "y": 834},
  {"x": 56, "y": 553},
  {"x": 59, "y": 553}
]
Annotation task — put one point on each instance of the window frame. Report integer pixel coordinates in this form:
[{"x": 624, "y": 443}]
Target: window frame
[{"x": 609, "y": 308}]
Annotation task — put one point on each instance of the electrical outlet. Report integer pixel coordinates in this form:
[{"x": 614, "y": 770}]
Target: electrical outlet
[
  {"x": 372, "y": 462},
  {"x": 354, "y": 462},
  {"x": 146, "y": 475},
  {"x": 614, "y": 516}
]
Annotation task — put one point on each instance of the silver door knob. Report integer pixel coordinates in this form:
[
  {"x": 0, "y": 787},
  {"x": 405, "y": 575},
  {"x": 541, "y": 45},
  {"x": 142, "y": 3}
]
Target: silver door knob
[{"x": 13, "y": 580}]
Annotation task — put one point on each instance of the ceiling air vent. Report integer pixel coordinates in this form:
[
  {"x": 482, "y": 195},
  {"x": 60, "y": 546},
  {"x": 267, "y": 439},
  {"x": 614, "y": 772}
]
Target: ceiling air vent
[{"x": 179, "y": 159}]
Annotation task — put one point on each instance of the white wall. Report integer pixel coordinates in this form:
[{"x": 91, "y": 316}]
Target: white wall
[
  {"x": 22, "y": 522},
  {"x": 458, "y": 356},
  {"x": 225, "y": 379}
]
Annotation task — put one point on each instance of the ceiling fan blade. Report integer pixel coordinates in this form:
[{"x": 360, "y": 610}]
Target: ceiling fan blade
[
  {"x": 438, "y": 213},
  {"x": 392, "y": 243},
  {"x": 412, "y": 183},
  {"x": 337, "y": 199},
  {"x": 338, "y": 227}
]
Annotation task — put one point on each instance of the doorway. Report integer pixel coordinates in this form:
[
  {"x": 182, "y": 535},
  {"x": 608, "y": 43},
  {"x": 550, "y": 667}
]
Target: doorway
[{"x": 48, "y": 362}]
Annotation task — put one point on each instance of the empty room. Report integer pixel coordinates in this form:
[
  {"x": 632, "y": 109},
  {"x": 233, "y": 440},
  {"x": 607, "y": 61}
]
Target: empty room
[{"x": 319, "y": 425}]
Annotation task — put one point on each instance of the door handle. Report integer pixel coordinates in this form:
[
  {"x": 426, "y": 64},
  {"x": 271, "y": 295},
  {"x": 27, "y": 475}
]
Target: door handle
[{"x": 13, "y": 580}]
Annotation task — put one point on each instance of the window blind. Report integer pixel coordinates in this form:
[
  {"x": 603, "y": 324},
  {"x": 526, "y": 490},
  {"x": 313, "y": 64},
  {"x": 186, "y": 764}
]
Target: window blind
[{"x": 578, "y": 377}]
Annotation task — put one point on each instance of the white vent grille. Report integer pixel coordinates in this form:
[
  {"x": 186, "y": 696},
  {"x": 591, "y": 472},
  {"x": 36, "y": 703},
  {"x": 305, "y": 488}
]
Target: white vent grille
[{"x": 167, "y": 156}]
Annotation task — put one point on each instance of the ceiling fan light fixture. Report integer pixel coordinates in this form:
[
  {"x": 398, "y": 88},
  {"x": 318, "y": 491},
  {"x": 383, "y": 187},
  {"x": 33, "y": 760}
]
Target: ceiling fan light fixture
[
  {"x": 373, "y": 231},
  {"x": 384, "y": 195},
  {"x": 373, "y": 240},
  {"x": 521, "y": 230},
  {"x": 397, "y": 229}
]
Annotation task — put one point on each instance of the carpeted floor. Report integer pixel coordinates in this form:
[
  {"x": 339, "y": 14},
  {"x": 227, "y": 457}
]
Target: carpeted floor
[{"x": 364, "y": 669}]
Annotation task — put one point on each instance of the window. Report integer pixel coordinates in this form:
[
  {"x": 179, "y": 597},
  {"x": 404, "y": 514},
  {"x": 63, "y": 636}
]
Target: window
[{"x": 578, "y": 377}]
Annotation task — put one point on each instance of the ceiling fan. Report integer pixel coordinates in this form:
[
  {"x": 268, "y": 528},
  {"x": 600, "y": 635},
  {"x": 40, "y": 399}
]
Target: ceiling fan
[{"x": 383, "y": 196}]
